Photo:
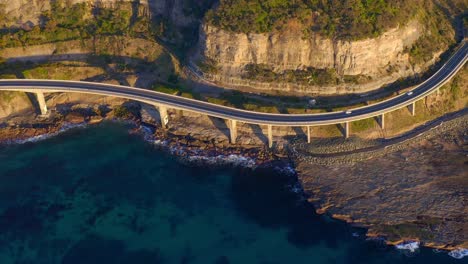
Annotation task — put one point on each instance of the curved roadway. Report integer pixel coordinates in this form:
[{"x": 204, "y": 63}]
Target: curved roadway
[{"x": 447, "y": 71}]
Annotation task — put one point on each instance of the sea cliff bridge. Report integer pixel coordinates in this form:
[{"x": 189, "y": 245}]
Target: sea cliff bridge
[{"x": 165, "y": 101}]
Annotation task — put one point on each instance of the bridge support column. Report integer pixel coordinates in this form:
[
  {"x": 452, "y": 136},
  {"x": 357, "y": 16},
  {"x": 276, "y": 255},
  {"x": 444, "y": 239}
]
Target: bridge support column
[
  {"x": 233, "y": 130},
  {"x": 270, "y": 136},
  {"x": 308, "y": 134},
  {"x": 382, "y": 121},
  {"x": 42, "y": 102},
  {"x": 163, "y": 115},
  {"x": 346, "y": 130},
  {"x": 412, "y": 108}
]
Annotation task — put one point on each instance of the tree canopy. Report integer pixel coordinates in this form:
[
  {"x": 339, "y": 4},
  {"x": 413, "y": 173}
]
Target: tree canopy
[{"x": 345, "y": 19}]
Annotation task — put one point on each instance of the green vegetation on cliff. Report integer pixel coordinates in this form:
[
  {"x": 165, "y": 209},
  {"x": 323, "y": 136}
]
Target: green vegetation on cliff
[
  {"x": 79, "y": 21},
  {"x": 339, "y": 20},
  {"x": 263, "y": 73},
  {"x": 310, "y": 75},
  {"x": 439, "y": 35},
  {"x": 349, "y": 19}
]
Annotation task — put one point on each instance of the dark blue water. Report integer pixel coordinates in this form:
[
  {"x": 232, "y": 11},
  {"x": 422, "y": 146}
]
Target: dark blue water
[{"x": 100, "y": 195}]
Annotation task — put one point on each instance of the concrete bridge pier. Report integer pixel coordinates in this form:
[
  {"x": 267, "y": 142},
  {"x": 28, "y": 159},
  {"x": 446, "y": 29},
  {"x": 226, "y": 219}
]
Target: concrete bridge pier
[
  {"x": 179, "y": 113},
  {"x": 270, "y": 136},
  {"x": 346, "y": 130},
  {"x": 233, "y": 130},
  {"x": 382, "y": 121},
  {"x": 308, "y": 134},
  {"x": 42, "y": 102},
  {"x": 163, "y": 115},
  {"x": 412, "y": 108}
]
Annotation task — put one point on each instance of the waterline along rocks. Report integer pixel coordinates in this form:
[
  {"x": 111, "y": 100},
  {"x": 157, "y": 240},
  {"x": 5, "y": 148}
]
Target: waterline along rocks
[
  {"x": 414, "y": 192},
  {"x": 398, "y": 174}
]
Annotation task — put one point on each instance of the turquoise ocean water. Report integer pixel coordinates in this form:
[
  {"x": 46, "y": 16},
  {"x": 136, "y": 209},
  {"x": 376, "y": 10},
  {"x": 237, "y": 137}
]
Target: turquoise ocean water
[{"x": 100, "y": 195}]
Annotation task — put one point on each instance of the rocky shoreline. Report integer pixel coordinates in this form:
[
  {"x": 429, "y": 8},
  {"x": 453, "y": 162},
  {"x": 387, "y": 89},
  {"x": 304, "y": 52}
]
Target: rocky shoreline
[
  {"x": 195, "y": 152},
  {"x": 413, "y": 190},
  {"x": 187, "y": 149}
]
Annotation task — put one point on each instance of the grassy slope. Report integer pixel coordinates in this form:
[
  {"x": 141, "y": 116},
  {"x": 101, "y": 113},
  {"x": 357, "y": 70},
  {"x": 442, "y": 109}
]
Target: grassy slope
[{"x": 451, "y": 97}]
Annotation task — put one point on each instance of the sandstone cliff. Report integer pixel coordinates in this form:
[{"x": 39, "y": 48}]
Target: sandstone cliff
[
  {"x": 19, "y": 12},
  {"x": 379, "y": 60}
]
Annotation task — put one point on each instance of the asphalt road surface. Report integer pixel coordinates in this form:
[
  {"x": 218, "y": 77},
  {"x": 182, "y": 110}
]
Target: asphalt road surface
[{"x": 447, "y": 71}]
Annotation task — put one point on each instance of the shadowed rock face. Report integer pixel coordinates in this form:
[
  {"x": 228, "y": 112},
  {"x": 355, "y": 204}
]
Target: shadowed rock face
[{"x": 419, "y": 192}]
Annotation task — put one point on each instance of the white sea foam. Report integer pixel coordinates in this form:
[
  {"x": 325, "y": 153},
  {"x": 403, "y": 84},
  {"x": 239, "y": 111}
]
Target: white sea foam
[
  {"x": 147, "y": 132},
  {"x": 288, "y": 170},
  {"x": 231, "y": 159},
  {"x": 409, "y": 245},
  {"x": 296, "y": 188},
  {"x": 197, "y": 155},
  {"x": 65, "y": 127},
  {"x": 459, "y": 253}
]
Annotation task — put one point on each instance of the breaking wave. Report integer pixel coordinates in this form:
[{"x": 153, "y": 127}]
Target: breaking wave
[{"x": 459, "y": 253}]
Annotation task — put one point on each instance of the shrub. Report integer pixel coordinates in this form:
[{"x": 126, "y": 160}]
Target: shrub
[
  {"x": 78, "y": 21},
  {"x": 439, "y": 34},
  {"x": 310, "y": 75},
  {"x": 335, "y": 18},
  {"x": 121, "y": 112}
]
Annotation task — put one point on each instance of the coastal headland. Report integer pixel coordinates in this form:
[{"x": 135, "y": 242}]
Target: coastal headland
[{"x": 403, "y": 182}]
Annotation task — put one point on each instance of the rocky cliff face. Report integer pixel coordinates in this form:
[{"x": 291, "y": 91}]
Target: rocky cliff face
[
  {"x": 19, "y": 12},
  {"x": 382, "y": 59},
  {"x": 176, "y": 21}
]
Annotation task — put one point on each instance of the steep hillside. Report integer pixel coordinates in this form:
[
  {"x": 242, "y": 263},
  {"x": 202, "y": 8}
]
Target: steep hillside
[
  {"x": 302, "y": 46},
  {"x": 173, "y": 21},
  {"x": 323, "y": 46},
  {"x": 179, "y": 12},
  {"x": 283, "y": 61}
]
